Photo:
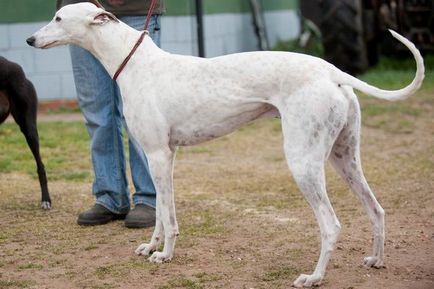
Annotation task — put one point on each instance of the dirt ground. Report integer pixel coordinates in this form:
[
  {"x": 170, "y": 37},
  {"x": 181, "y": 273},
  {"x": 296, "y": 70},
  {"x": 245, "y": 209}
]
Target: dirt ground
[{"x": 243, "y": 222}]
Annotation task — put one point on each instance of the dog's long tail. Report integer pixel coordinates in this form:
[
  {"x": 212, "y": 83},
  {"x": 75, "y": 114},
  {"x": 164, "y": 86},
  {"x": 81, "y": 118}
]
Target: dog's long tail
[{"x": 346, "y": 79}]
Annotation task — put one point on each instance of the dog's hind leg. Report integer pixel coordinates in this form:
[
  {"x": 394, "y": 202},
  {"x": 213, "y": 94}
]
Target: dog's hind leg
[
  {"x": 23, "y": 110},
  {"x": 4, "y": 107},
  {"x": 161, "y": 167},
  {"x": 311, "y": 121},
  {"x": 345, "y": 158},
  {"x": 308, "y": 171}
]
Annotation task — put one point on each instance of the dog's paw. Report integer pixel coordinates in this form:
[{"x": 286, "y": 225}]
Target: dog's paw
[
  {"x": 145, "y": 249},
  {"x": 307, "y": 280},
  {"x": 46, "y": 205},
  {"x": 373, "y": 261},
  {"x": 159, "y": 257}
]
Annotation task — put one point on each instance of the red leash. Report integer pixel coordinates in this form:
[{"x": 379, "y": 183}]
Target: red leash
[
  {"x": 138, "y": 42},
  {"x": 150, "y": 12}
]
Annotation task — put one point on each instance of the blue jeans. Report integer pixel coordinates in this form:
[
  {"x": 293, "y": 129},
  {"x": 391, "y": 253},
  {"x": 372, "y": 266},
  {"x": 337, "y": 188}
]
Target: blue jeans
[{"x": 100, "y": 102}]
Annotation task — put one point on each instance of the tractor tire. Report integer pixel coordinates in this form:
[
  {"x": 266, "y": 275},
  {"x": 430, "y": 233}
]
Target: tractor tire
[{"x": 342, "y": 32}]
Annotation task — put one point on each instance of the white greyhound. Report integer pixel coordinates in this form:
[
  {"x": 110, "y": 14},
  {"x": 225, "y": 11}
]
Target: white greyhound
[{"x": 174, "y": 100}]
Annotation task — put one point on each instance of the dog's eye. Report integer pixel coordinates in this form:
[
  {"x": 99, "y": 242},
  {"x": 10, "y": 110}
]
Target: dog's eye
[{"x": 58, "y": 19}]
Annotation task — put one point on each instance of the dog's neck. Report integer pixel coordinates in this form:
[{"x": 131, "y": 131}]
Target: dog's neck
[{"x": 112, "y": 44}]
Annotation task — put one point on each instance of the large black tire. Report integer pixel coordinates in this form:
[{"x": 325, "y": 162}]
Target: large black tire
[{"x": 342, "y": 31}]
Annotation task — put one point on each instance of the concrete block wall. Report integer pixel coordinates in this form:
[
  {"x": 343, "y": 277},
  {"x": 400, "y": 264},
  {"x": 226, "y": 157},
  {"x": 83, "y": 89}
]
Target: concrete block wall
[
  {"x": 50, "y": 70},
  {"x": 226, "y": 33}
]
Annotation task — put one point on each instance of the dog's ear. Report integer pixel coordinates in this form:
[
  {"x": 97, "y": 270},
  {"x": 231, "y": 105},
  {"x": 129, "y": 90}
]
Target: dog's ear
[{"x": 103, "y": 17}]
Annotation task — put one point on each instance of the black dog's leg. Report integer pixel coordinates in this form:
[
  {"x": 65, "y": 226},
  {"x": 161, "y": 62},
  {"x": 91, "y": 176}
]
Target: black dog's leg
[{"x": 23, "y": 109}]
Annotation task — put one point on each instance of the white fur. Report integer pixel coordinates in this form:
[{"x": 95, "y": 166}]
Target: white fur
[{"x": 172, "y": 100}]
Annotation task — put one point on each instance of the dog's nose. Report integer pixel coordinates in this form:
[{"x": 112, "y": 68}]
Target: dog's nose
[{"x": 31, "y": 41}]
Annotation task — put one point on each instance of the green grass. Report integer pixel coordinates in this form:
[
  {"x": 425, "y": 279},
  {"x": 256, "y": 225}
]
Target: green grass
[
  {"x": 400, "y": 116},
  {"x": 280, "y": 273},
  {"x": 197, "y": 281},
  {"x": 63, "y": 109},
  {"x": 14, "y": 284},
  {"x": 203, "y": 224},
  {"x": 30, "y": 266},
  {"x": 64, "y": 151},
  {"x": 392, "y": 73}
]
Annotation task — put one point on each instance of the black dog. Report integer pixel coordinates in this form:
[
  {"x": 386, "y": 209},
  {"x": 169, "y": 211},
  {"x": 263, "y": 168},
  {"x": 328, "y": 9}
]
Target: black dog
[{"x": 18, "y": 97}]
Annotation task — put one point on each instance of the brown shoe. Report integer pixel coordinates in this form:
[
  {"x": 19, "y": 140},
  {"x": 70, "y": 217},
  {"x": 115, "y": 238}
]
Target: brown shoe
[
  {"x": 98, "y": 215},
  {"x": 142, "y": 216}
]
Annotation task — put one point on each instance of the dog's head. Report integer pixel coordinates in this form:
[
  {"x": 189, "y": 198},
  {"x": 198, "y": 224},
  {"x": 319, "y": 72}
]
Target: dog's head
[{"x": 71, "y": 24}]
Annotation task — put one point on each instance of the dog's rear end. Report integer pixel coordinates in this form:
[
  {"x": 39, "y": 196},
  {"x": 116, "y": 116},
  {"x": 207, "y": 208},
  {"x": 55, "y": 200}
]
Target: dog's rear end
[
  {"x": 18, "y": 97},
  {"x": 4, "y": 107}
]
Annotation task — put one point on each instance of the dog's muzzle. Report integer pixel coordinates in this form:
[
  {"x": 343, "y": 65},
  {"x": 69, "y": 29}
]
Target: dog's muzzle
[{"x": 31, "y": 41}]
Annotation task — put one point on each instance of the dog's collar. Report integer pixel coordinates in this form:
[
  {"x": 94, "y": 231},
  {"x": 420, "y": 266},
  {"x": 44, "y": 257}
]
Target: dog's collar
[
  {"x": 124, "y": 63},
  {"x": 139, "y": 41}
]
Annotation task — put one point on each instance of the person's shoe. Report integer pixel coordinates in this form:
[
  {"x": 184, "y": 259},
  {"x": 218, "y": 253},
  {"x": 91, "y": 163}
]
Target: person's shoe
[
  {"x": 98, "y": 215},
  {"x": 142, "y": 216}
]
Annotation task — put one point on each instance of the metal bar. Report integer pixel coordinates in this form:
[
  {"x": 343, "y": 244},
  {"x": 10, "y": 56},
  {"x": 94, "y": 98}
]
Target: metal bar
[{"x": 200, "y": 29}]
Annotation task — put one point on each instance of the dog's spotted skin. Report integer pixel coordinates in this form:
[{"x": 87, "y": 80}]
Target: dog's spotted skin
[{"x": 171, "y": 100}]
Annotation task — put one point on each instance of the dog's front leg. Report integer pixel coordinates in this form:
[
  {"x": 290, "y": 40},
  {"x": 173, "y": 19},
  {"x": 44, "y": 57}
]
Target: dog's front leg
[
  {"x": 146, "y": 249},
  {"x": 161, "y": 166}
]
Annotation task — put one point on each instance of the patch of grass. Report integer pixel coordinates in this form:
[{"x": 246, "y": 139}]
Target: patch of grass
[
  {"x": 393, "y": 73},
  {"x": 203, "y": 223},
  {"x": 30, "y": 266},
  {"x": 64, "y": 109},
  {"x": 205, "y": 277},
  {"x": 64, "y": 150},
  {"x": 400, "y": 116},
  {"x": 392, "y": 108},
  {"x": 405, "y": 125},
  {"x": 121, "y": 269},
  {"x": 392, "y": 117},
  {"x": 3, "y": 236},
  {"x": 57, "y": 263},
  {"x": 103, "y": 286},
  {"x": 74, "y": 176},
  {"x": 90, "y": 247},
  {"x": 15, "y": 283},
  {"x": 390, "y": 125},
  {"x": 280, "y": 201},
  {"x": 103, "y": 271},
  {"x": 195, "y": 150},
  {"x": 281, "y": 273},
  {"x": 182, "y": 282}
]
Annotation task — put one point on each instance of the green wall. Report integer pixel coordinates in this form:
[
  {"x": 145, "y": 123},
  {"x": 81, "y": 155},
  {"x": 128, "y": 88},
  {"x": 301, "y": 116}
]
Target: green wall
[
  {"x": 42, "y": 10},
  {"x": 26, "y": 10}
]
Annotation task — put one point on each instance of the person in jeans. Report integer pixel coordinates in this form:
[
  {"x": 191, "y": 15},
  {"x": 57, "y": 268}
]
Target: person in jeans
[{"x": 100, "y": 102}]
